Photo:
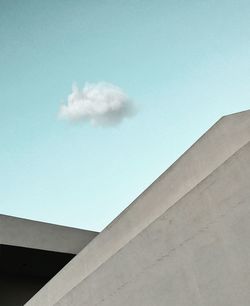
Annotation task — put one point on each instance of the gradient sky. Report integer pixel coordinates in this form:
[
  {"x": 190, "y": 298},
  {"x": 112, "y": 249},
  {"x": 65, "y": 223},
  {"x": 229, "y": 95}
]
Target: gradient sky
[{"x": 184, "y": 63}]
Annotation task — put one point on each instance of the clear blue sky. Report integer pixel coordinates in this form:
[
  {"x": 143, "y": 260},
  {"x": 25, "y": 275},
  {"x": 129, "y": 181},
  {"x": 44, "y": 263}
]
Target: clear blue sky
[{"x": 184, "y": 63}]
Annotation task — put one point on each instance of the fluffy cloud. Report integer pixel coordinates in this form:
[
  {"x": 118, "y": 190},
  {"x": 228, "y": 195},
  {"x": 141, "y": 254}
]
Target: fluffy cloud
[{"x": 100, "y": 104}]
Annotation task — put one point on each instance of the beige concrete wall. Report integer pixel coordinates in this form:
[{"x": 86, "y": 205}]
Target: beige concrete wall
[
  {"x": 196, "y": 253},
  {"x": 225, "y": 138},
  {"x": 43, "y": 236}
]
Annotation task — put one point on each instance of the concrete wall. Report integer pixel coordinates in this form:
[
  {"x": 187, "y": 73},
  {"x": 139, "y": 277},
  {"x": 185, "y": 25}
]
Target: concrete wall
[
  {"x": 43, "y": 236},
  {"x": 225, "y": 138},
  {"x": 31, "y": 253},
  {"x": 196, "y": 253}
]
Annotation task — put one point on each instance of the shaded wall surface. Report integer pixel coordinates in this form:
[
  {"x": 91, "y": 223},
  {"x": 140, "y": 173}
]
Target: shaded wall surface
[
  {"x": 23, "y": 271},
  {"x": 17, "y": 290}
]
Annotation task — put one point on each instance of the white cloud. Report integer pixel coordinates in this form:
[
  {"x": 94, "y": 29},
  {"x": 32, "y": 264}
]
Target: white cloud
[{"x": 100, "y": 104}]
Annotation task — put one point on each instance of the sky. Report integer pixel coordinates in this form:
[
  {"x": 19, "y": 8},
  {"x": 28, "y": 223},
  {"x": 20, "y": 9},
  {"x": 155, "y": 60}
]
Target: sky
[{"x": 67, "y": 154}]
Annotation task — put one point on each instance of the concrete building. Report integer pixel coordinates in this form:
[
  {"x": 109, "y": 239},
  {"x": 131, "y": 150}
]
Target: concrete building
[
  {"x": 31, "y": 253},
  {"x": 184, "y": 241}
]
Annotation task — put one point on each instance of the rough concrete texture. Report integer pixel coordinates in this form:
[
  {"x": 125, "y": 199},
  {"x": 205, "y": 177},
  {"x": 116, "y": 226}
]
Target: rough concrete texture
[
  {"x": 44, "y": 236},
  {"x": 182, "y": 242}
]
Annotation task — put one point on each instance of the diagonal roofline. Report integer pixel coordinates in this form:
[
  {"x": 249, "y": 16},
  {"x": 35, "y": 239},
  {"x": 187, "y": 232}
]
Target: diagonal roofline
[{"x": 218, "y": 144}]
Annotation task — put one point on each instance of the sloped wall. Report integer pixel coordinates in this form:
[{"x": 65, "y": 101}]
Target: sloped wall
[
  {"x": 196, "y": 253},
  {"x": 82, "y": 281}
]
